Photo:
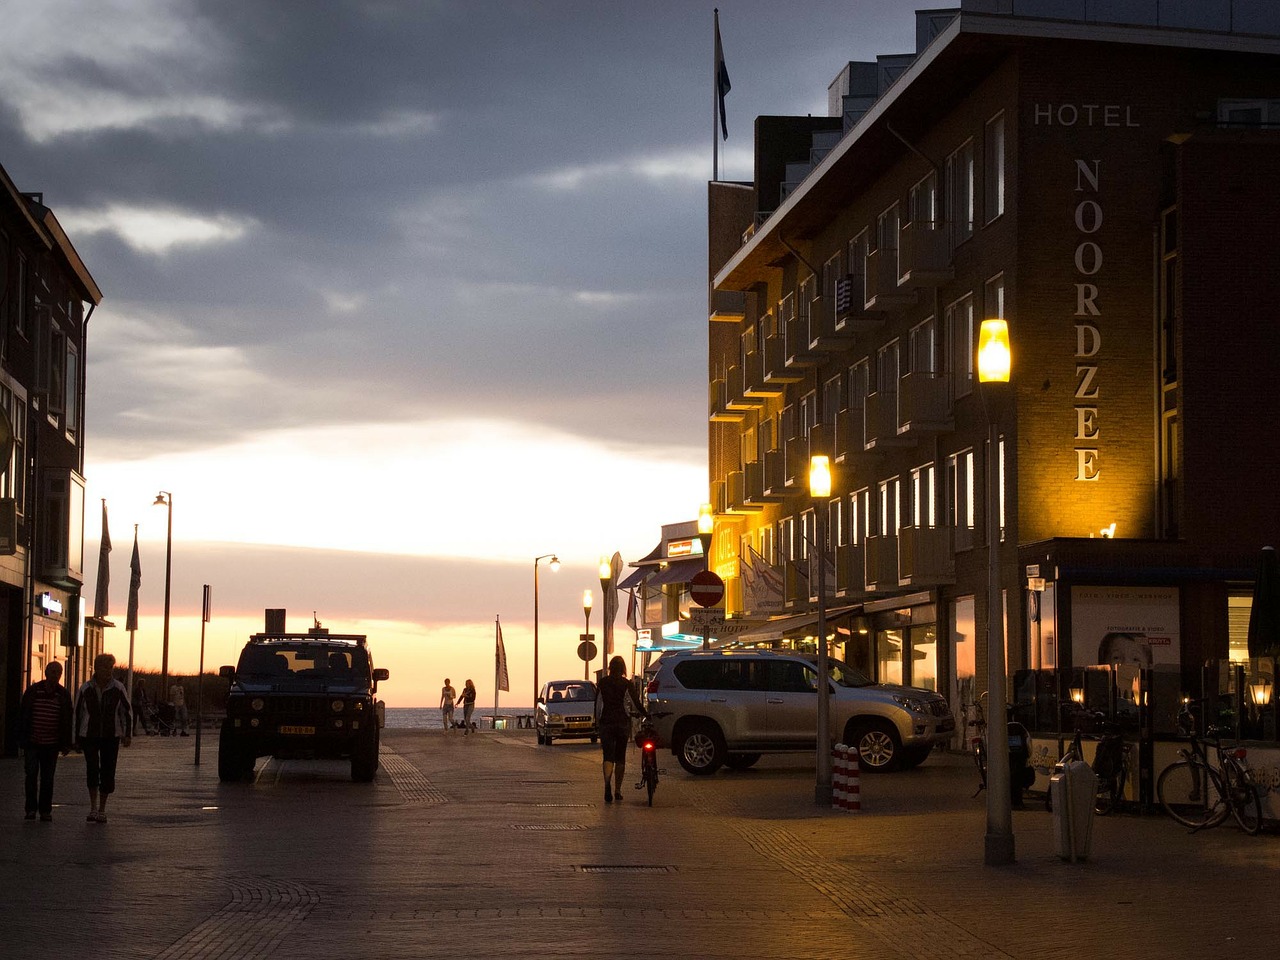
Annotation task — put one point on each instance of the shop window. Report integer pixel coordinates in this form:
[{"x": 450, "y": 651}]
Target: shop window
[
  {"x": 1238, "y": 608},
  {"x": 923, "y": 643},
  {"x": 1042, "y": 630}
]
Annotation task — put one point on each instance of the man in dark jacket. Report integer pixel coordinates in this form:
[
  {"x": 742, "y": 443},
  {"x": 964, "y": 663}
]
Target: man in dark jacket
[{"x": 44, "y": 729}]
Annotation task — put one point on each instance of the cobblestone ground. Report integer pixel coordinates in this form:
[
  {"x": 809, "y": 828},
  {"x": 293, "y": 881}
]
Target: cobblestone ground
[{"x": 490, "y": 846}]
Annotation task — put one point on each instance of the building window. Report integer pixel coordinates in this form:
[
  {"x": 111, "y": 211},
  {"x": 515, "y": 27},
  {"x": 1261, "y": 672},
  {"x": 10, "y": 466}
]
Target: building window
[
  {"x": 960, "y": 497},
  {"x": 1168, "y": 293},
  {"x": 887, "y": 368},
  {"x": 993, "y": 169},
  {"x": 787, "y": 538},
  {"x": 859, "y": 247},
  {"x": 887, "y": 226},
  {"x": 71, "y": 404},
  {"x": 959, "y": 173},
  {"x": 862, "y": 521},
  {"x": 922, "y": 202},
  {"x": 922, "y": 508},
  {"x": 808, "y": 413},
  {"x": 993, "y": 298},
  {"x": 830, "y": 276},
  {"x": 13, "y": 483},
  {"x": 921, "y": 349},
  {"x": 20, "y": 291},
  {"x": 961, "y": 346},
  {"x": 833, "y": 399},
  {"x": 1249, "y": 113},
  {"x": 767, "y": 542},
  {"x": 859, "y": 383},
  {"x": 890, "y": 521}
]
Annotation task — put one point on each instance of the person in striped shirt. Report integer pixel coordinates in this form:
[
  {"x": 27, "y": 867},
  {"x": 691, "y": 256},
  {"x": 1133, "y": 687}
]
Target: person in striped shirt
[{"x": 44, "y": 730}]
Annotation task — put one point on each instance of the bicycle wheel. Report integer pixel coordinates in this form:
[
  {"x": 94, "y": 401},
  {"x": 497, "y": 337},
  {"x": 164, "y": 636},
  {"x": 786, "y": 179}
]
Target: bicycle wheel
[
  {"x": 651, "y": 779},
  {"x": 1243, "y": 793},
  {"x": 1192, "y": 794}
]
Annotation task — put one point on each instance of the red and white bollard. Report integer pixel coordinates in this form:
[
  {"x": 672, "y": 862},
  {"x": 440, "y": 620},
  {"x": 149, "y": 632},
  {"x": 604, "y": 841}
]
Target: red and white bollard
[{"x": 845, "y": 791}]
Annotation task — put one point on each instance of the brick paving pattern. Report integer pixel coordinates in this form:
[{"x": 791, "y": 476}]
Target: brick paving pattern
[{"x": 490, "y": 846}]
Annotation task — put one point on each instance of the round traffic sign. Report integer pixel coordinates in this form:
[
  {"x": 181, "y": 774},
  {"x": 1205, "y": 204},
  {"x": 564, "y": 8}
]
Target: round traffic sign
[
  {"x": 586, "y": 651},
  {"x": 706, "y": 588}
]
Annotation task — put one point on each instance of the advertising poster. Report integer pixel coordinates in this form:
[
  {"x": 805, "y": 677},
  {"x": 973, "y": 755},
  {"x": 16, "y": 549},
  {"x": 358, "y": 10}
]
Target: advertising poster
[{"x": 1129, "y": 625}]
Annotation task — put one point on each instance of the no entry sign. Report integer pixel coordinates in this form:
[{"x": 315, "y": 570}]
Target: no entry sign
[{"x": 706, "y": 588}]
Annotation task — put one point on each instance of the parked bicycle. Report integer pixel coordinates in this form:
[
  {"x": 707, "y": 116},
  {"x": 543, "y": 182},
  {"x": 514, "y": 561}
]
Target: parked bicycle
[
  {"x": 1110, "y": 763},
  {"x": 1021, "y": 776},
  {"x": 1199, "y": 792}
]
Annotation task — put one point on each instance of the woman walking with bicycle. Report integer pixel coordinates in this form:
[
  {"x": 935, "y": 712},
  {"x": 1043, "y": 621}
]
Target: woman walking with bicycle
[{"x": 615, "y": 725}]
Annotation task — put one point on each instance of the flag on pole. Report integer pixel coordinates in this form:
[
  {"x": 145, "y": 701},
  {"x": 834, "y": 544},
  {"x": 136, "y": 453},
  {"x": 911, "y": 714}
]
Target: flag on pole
[
  {"x": 722, "y": 79},
  {"x": 504, "y": 680},
  {"x": 100, "y": 605},
  {"x": 135, "y": 581},
  {"x": 632, "y": 610}
]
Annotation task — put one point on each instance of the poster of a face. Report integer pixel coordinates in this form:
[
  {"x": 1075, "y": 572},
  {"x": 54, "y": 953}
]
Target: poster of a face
[{"x": 1128, "y": 625}]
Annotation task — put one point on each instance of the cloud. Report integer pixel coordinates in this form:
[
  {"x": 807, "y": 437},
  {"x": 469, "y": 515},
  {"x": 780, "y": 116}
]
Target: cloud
[{"x": 157, "y": 230}]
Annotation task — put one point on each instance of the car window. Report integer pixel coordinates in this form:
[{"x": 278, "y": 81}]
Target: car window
[
  {"x": 788, "y": 676},
  {"x": 713, "y": 674},
  {"x": 579, "y": 692}
]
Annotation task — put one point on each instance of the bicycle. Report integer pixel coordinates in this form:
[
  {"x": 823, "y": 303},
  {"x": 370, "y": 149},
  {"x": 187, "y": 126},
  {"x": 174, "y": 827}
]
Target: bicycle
[
  {"x": 1199, "y": 795},
  {"x": 1110, "y": 764},
  {"x": 647, "y": 741}
]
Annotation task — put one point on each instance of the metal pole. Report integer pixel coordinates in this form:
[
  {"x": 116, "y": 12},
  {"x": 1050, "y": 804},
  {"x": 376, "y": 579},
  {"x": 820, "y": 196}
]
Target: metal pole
[
  {"x": 999, "y": 848},
  {"x": 204, "y": 618},
  {"x": 822, "y": 792},
  {"x": 536, "y": 688},
  {"x": 168, "y": 569}
]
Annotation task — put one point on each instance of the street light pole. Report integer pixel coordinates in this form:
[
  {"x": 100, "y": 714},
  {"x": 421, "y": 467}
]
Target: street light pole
[
  {"x": 165, "y": 499},
  {"x": 819, "y": 491},
  {"x": 586, "y": 633},
  {"x": 994, "y": 365},
  {"x": 606, "y": 631},
  {"x": 555, "y": 565}
]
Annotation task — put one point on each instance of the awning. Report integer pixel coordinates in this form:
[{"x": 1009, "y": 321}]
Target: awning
[
  {"x": 635, "y": 577},
  {"x": 776, "y": 629},
  {"x": 679, "y": 571}
]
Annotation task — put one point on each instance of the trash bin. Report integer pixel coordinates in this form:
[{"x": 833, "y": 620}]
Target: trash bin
[{"x": 1071, "y": 789}]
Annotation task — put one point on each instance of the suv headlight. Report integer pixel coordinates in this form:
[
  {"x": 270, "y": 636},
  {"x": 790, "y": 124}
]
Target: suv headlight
[
  {"x": 337, "y": 706},
  {"x": 257, "y": 703},
  {"x": 911, "y": 703}
]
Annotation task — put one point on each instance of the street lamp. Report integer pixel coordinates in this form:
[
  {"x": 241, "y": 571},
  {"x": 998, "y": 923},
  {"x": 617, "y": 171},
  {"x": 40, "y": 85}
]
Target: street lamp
[
  {"x": 995, "y": 361},
  {"x": 606, "y": 631},
  {"x": 555, "y": 565},
  {"x": 819, "y": 491},
  {"x": 586, "y": 634},
  {"x": 165, "y": 499},
  {"x": 706, "y": 526}
]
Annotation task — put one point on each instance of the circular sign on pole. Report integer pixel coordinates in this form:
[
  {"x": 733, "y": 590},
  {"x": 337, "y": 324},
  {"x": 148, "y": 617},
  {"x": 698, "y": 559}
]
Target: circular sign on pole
[
  {"x": 586, "y": 651},
  {"x": 706, "y": 588}
]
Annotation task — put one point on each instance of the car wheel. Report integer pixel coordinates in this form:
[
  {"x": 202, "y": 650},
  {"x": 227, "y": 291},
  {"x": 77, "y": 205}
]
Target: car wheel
[
  {"x": 700, "y": 749},
  {"x": 231, "y": 759},
  {"x": 364, "y": 758},
  {"x": 547, "y": 739},
  {"x": 877, "y": 744},
  {"x": 741, "y": 761},
  {"x": 542, "y": 741}
]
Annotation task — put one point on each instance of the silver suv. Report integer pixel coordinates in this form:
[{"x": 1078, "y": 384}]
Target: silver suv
[{"x": 727, "y": 707}]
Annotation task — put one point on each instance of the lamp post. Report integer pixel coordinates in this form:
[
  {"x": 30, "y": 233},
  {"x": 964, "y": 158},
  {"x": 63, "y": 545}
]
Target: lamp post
[
  {"x": 606, "y": 631},
  {"x": 165, "y": 499},
  {"x": 555, "y": 565},
  {"x": 706, "y": 527},
  {"x": 994, "y": 363},
  {"x": 586, "y": 634},
  {"x": 819, "y": 491}
]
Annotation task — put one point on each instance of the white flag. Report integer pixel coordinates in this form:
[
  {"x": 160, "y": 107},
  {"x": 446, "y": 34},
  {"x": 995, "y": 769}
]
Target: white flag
[{"x": 504, "y": 681}]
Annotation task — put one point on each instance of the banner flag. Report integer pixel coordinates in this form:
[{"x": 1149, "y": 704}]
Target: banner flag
[
  {"x": 722, "y": 80},
  {"x": 100, "y": 604},
  {"x": 762, "y": 585},
  {"x": 135, "y": 581},
  {"x": 504, "y": 679},
  {"x": 632, "y": 610}
]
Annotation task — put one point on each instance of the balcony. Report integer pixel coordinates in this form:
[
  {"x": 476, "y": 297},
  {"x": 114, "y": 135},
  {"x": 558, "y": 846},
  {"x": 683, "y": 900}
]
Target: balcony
[
  {"x": 823, "y": 335},
  {"x": 718, "y": 404},
  {"x": 733, "y": 491},
  {"x": 736, "y": 397},
  {"x": 754, "y": 387},
  {"x": 852, "y": 316},
  {"x": 727, "y": 306},
  {"x": 796, "y": 352},
  {"x": 925, "y": 255},
  {"x": 776, "y": 370},
  {"x": 851, "y": 570},
  {"x": 795, "y": 586},
  {"x": 753, "y": 486},
  {"x": 775, "y": 480},
  {"x": 880, "y": 422},
  {"x": 883, "y": 292},
  {"x": 882, "y": 563},
  {"x": 796, "y": 451},
  {"x": 925, "y": 557},
  {"x": 923, "y": 404}
]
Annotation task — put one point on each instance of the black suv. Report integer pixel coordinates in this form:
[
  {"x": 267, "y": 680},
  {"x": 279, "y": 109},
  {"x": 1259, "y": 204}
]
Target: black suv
[{"x": 302, "y": 695}]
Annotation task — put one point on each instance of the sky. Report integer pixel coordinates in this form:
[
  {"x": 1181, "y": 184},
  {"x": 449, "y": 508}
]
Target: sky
[{"x": 397, "y": 296}]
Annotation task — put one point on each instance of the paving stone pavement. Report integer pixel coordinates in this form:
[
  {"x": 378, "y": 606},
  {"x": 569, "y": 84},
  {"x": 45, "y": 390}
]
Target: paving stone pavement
[{"x": 491, "y": 846}]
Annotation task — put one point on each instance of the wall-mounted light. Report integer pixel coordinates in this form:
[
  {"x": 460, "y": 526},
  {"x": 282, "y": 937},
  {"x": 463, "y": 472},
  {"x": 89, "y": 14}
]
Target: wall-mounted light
[
  {"x": 1077, "y": 695},
  {"x": 1109, "y": 531},
  {"x": 1260, "y": 691}
]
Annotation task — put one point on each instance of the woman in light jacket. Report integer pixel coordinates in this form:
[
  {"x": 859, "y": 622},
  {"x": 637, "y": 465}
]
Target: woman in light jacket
[{"x": 103, "y": 719}]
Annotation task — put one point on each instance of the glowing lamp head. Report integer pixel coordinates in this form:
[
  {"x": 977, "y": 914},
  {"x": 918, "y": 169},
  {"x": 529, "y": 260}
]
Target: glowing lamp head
[
  {"x": 586, "y": 600},
  {"x": 1260, "y": 691},
  {"x": 554, "y": 564},
  {"x": 994, "y": 356},
  {"x": 1077, "y": 695},
  {"x": 706, "y": 519},
  {"x": 606, "y": 569},
  {"x": 819, "y": 476}
]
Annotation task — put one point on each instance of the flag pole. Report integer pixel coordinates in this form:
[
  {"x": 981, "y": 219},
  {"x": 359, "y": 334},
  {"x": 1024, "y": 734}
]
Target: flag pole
[
  {"x": 715, "y": 103},
  {"x": 496, "y": 668}
]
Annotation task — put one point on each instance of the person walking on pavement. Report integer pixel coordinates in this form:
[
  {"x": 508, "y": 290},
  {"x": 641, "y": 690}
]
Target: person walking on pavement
[
  {"x": 615, "y": 725},
  {"x": 447, "y": 696},
  {"x": 141, "y": 707},
  {"x": 103, "y": 719},
  {"x": 468, "y": 701},
  {"x": 178, "y": 697},
  {"x": 44, "y": 731}
]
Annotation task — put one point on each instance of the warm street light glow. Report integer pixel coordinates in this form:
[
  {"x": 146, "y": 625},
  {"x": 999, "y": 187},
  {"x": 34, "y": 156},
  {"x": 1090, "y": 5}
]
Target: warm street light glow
[
  {"x": 1077, "y": 694},
  {"x": 706, "y": 519},
  {"x": 994, "y": 356},
  {"x": 586, "y": 600},
  {"x": 819, "y": 476},
  {"x": 554, "y": 564},
  {"x": 606, "y": 569},
  {"x": 1260, "y": 691}
]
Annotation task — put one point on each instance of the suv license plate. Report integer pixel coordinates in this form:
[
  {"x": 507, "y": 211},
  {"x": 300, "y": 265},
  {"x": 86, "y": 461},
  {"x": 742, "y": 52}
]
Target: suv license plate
[{"x": 305, "y": 731}]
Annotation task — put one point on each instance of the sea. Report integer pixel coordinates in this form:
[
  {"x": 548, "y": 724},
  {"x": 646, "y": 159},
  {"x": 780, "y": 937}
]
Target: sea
[{"x": 428, "y": 718}]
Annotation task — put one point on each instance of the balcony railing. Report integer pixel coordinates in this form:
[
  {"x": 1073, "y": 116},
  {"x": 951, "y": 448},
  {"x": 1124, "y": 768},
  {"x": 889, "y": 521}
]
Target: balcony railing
[
  {"x": 718, "y": 404},
  {"x": 823, "y": 335},
  {"x": 737, "y": 398},
  {"x": 925, "y": 557},
  {"x": 924, "y": 256},
  {"x": 883, "y": 292},
  {"x": 776, "y": 370},
  {"x": 728, "y": 306},
  {"x": 775, "y": 475},
  {"x": 851, "y": 570},
  {"x": 882, "y": 562},
  {"x": 880, "y": 421},
  {"x": 923, "y": 404},
  {"x": 852, "y": 316},
  {"x": 796, "y": 352}
]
